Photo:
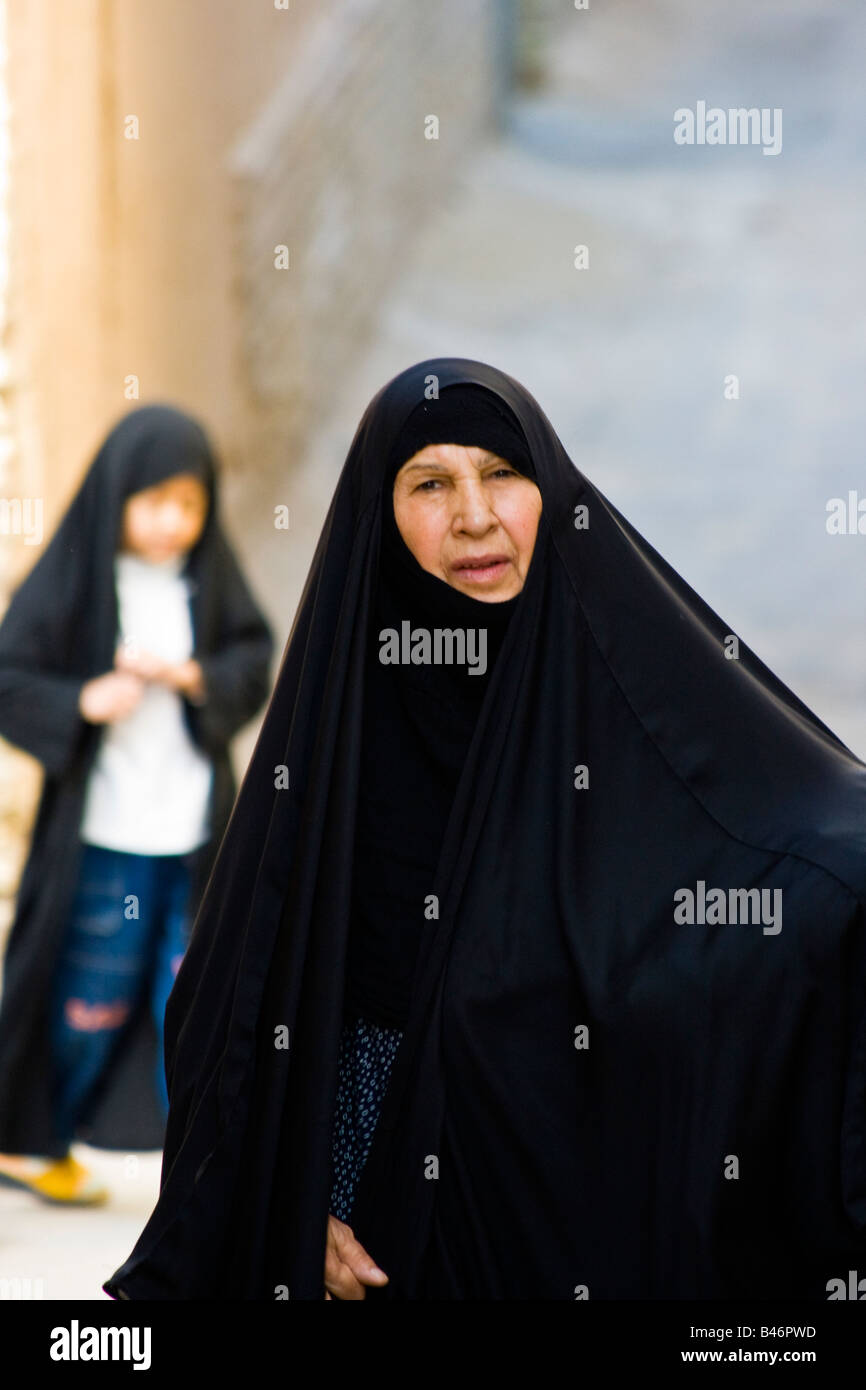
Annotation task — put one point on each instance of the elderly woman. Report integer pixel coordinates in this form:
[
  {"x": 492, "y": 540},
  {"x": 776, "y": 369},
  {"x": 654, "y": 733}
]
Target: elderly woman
[{"x": 532, "y": 963}]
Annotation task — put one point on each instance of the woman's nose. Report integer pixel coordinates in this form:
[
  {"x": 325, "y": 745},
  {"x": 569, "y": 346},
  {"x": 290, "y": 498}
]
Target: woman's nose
[{"x": 472, "y": 510}]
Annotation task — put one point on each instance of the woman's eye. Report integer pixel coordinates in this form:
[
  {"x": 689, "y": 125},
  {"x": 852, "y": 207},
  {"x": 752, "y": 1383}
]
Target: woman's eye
[{"x": 502, "y": 472}]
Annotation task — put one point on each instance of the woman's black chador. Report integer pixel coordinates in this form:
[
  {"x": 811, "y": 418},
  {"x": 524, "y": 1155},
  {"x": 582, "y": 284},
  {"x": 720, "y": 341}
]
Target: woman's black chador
[{"x": 591, "y": 1097}]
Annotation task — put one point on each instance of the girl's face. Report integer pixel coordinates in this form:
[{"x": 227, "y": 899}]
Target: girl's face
[
  {"x": 165, "y": 521},
  {"x": 469, "y": 518}
]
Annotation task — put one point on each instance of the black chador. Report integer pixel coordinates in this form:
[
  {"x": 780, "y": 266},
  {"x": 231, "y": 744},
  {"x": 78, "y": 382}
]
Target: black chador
[{"x": 592, "y": 1096}]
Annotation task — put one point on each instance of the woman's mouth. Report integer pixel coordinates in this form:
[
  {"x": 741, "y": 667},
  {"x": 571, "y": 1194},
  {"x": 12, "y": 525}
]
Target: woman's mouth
[{"x": 481, "y": 569}]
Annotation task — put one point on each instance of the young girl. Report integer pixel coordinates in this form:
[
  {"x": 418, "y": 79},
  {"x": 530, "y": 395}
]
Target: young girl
[{"x": 129, "y": 656}]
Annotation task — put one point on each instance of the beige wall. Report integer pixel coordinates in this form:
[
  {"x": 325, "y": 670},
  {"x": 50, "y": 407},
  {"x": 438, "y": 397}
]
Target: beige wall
[
  {"x": 122, "y": 254},
  {"x": 120, "y": 251}
]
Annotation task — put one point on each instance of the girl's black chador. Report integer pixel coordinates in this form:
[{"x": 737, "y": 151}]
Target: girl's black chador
[{"x": 60, "y": 631}]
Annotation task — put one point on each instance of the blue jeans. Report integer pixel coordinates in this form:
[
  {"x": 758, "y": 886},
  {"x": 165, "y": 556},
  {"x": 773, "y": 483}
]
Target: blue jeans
[{"x": 127, "y": 933}]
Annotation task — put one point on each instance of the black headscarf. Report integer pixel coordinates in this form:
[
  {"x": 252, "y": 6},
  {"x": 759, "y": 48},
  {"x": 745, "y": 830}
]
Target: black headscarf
[
  {"x": 418, "y": 720},
  {"x": 71, "y": 586},
  {"x": 590, "y": 1094}
]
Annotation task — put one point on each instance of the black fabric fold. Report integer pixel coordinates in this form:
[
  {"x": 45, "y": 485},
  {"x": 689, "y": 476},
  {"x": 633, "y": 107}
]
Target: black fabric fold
[{"x": 418, "y": 722}]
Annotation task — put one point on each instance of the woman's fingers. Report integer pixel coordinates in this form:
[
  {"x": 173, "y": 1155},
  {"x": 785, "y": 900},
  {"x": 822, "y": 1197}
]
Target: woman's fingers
[
  {"x": 340, "y": 1280},
  {"x": 353, "y": 1254},
  {"x": 346, "y": 1287},
  {"x": 348, "y": 1267}
]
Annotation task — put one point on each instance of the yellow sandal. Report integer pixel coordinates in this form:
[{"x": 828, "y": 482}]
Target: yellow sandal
[{"x": 66, "y": 1182}]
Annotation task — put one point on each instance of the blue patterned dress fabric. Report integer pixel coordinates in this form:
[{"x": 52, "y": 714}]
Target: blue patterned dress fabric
[{"x": 367, "y": 1053}]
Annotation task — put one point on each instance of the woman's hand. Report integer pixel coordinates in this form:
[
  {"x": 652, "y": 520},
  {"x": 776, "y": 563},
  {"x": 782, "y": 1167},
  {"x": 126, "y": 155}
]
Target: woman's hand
[
  {"x": 107, "y": 698},
  {"x": 348, "y": 1267}
]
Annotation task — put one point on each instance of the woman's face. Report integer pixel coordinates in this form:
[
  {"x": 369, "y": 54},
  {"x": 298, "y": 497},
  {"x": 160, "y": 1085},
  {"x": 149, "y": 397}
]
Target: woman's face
[
  {"x": 469, "y": 518},
  {"x": 165, "y": 521}
]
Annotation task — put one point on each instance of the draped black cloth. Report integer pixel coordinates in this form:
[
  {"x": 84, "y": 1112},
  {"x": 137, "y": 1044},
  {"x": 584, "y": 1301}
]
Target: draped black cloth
[
  {"x": 418, "y": 721},
  {"x": 592, "y": 1095},
  {"x": 59, "y": 631}
]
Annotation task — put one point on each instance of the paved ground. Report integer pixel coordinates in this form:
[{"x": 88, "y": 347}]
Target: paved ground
[
  {"x": 703, "y": 262},
  {"x": 66, "y": 1253}
]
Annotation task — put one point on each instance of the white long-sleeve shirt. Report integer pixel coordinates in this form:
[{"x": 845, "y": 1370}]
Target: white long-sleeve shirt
[{"x": 149, "y": 788}]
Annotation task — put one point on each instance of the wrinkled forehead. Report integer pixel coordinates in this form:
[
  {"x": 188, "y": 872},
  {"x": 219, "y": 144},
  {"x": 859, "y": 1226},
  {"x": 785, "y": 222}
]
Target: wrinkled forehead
[
  {"x": 461, "y": 417},
  {"x": 446, "y": 455}
]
